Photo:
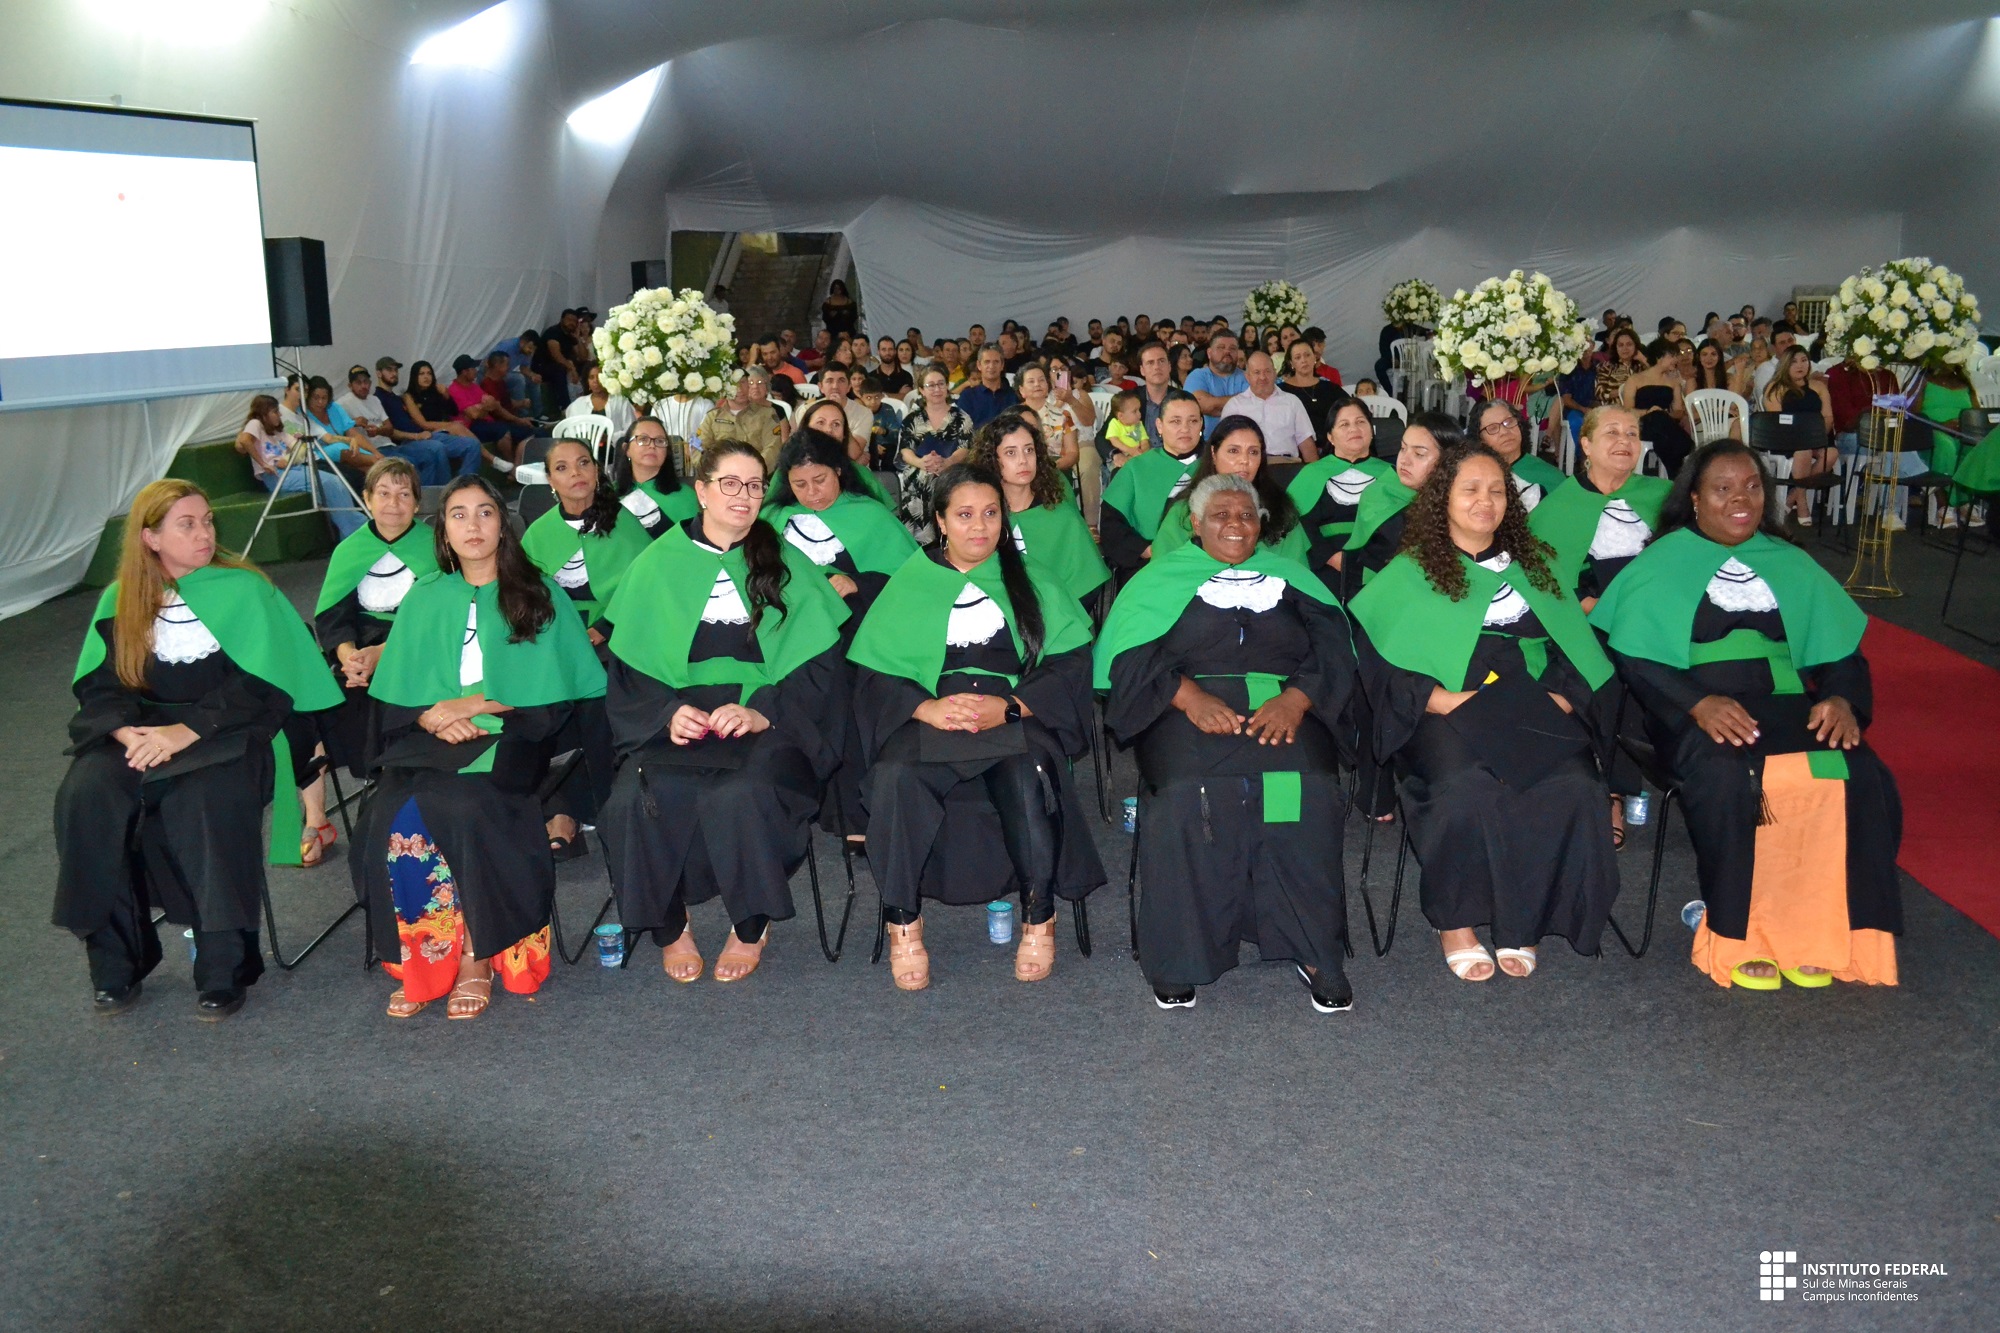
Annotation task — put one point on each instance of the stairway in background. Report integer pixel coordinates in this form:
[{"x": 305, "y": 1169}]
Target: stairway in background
[{"x": 773, "y": 292}]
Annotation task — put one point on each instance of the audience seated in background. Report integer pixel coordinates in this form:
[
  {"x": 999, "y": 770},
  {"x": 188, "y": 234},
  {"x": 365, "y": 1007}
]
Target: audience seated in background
[
  {"x": 991, "y": 395},
  {"x": 436, "y": 456},
  {"x": 599, "y": 401},
  {"x": 269, "y": 446},
  {"x": 476, "y": 408},
  {"x": 1282, "y": 417},
  {"x": 746, "y": 415},
  {"x": 1221, "y": 379}
]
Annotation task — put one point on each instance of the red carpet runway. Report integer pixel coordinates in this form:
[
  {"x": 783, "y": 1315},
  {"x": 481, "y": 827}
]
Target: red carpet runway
[{"x": 1937, "y": 726}]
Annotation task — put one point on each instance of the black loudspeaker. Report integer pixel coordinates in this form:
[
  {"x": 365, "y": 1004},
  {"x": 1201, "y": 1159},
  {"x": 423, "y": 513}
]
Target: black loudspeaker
[{"x": 295, "y": 276}]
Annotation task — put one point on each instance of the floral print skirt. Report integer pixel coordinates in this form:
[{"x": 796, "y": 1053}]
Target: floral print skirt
[{"x": 430, "y": 923}]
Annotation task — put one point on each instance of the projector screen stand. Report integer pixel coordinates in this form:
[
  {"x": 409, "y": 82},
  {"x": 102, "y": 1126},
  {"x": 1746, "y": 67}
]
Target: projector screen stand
[{"x": 310, "y": 454}]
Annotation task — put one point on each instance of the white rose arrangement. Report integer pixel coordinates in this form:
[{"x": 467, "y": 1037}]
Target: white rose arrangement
[
  {"x": 1274, "y": 305},
  {"x": 1412, "y": 301},
  {"x": 663, "y": 342},
  {"x": 1909, "y": 311},
  {"x": 1513, "y": 327}
]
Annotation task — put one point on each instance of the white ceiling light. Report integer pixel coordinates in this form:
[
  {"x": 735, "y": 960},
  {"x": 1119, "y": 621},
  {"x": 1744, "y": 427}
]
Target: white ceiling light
[
  {"x": 617, "y": 114},
  {"x": 481, "y": 42}
]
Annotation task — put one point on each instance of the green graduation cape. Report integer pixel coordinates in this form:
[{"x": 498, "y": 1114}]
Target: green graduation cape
[
  {"x": 1381, "y": 502},
  {"x": 1056, "y": 537},
  {"x": 355, "y": 556},
  {"x": 550, "y": 542},
  {"x": 1309, "y": 486},
  {"x": 1943, "y": 405},
  {"x": 679, "y": 504},
  {"x": 1177, "y": 530},
  {"x": 871, "y": 534},
  {"x": 263, "y": 634},
  {"x": 903, "y": 634},
  {"x": 1537, "y": 471},
  {"x": 1153, "y": 602},
  {"x": 1417, "y": 628},
  {"x": 1567, "y": 518},
  {"x": 661, "y": 599},
  {"x": 1139, "y": 489},
  {"x": 1649, "y": 608},
  {"x": 1979, "y": 471},
  {"x": 419, "y": 663}
]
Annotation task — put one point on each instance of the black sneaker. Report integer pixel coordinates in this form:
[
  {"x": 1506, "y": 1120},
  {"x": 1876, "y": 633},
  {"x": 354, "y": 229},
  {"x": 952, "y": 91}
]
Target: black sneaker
[
  {"x": 1336, "y": 1001},
  {"x": 212, "y": 1006},
  {"x": 1174, "y": 999},
  {"x": 115, "y": 1001}
]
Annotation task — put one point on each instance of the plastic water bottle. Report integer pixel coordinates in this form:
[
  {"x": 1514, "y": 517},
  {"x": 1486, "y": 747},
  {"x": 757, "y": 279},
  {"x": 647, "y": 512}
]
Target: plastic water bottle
[
  {"x": 188, "y": 935},
  {"x": 1638, "y": 809},
  {"x": 1692, "y": 913},
  {"x": 1131, "y": 806},
  {"x": 610, "y": 945},
  {"x": 1000, "y": 922}
]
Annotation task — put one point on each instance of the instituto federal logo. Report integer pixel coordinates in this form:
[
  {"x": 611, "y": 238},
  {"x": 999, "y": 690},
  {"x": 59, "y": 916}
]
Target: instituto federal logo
[{"x": 1776, "y": 1274}]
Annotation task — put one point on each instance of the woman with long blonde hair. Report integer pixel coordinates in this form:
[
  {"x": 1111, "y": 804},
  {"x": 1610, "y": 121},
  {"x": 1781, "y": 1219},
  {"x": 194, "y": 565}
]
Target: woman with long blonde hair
[{"x": 191, "y": 666}]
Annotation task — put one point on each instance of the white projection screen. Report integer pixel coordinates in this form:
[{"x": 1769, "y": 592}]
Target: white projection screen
[{"x": 131, "y": 257}]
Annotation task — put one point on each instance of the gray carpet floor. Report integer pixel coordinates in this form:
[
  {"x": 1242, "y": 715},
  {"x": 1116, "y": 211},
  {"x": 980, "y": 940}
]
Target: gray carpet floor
[{"x": 1608, "y": 1145}]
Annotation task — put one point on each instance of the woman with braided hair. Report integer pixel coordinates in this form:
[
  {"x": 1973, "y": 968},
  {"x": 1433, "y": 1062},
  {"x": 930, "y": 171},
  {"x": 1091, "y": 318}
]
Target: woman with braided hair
[{"x": 1480, "y": 670}]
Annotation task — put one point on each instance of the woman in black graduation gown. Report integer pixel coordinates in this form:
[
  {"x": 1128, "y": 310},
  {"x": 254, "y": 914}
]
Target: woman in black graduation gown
[
  {"x": 726, "y": 708},
  {"x": 366, "y": 579},
  {"x": 974, "y": 673},
  {"x": 1379, "y": 517},
  {"x": 481, "y": 672},
  {"x": 643, "y": 478},
  {"x": 1139, "y": 493},
  {"x": 1328, "y": 493},
  {"x": 1746, "y": 656},
  {"x": 1481, "y": 672},
  {"x": 1228, "y": 666},
  {"x": 190, "y": 668}
]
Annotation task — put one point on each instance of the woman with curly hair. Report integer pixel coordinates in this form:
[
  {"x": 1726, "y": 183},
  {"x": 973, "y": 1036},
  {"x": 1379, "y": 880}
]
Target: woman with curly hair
[
  {"x": 1480, "y": 672},
  {"x": 1048, "y": 527}
]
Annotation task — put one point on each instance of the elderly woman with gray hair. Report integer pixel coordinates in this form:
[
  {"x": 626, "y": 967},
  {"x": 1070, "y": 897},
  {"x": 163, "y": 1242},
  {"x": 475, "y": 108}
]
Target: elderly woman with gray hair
[{"x": 1229, "y": 666}]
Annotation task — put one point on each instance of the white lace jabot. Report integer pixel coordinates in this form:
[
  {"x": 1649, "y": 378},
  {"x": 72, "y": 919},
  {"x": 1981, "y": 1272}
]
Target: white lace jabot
[{"x": 1242, "y": 590}]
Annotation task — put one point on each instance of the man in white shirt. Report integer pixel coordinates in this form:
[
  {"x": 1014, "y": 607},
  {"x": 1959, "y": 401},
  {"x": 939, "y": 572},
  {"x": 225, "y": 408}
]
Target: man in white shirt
[
  {"x": 833, "y": 385},
  {"x": 1288, "y": 432},
  {"x": 435, "y": 457},
  {"x": 1781, "y": 342}
]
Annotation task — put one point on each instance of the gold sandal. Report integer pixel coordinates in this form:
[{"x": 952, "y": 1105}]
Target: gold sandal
[
  {"x": 402, "y": 1006},
  {"x": 909, "y": 961},
  {"x": 459, "y": 994},
  {"x": 736, "y": 952},
  {"x": 680, "y": 954},
  {"x": 1036, "y": 956}
]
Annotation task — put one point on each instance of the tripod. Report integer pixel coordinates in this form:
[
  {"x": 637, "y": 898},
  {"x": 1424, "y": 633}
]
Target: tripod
[{"x": 310, "y": 452}]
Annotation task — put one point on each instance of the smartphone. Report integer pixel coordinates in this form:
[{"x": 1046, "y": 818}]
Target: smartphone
[{"x": 1062, "y": 379}]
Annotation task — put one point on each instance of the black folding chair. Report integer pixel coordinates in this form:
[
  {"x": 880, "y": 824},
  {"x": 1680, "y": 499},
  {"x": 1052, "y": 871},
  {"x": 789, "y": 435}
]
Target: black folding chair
[
  {"x": 1645, "y": 757},
  {"x": 322, "y": 766},
  {"x": 1382, "y": 942}
]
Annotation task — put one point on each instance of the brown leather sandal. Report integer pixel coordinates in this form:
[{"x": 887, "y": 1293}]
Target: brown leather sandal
[
  {"x": 682, "y": 954},
  {"x": 909, "y": 961},
  {"x": 738, "y": 954},
  {"x": 478, "y": 999},
  {"x": 401, "y": 1006},
  {"x": 1036, "y": 956}
]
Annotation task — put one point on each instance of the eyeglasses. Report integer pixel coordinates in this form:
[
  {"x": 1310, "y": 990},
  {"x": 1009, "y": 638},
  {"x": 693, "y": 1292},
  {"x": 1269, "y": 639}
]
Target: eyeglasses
[
  {"x": 653, "y": 441},
  {"x": 1501, "y": 427},
  {"x": 738, "y": 486}
]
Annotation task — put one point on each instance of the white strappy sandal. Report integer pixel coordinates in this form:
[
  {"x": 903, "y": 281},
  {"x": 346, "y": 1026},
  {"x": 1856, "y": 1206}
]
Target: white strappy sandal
[
  {"x": 1526, "y": 957},
  {"x": 1462, "y": 961}
]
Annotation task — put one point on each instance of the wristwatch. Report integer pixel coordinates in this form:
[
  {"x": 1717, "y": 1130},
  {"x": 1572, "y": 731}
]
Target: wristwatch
[{"x": 1013, "y": 709}]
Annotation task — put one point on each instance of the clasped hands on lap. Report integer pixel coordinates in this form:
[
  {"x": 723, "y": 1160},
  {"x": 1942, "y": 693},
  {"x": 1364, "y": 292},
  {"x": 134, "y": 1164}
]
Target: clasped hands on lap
[
  {"x": 357, "y": 665},
  {"x": 965, "y": 712},
  {"x": 1275, "y": 722},
  {"x": 690, "y": 724},
  {"x": 149, "y": 747}
]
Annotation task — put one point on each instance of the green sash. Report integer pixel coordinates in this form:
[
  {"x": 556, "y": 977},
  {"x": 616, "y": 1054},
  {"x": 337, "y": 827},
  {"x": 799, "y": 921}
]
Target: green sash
[
  {"x": 871, "y": 534},
  {"x": 1417, "y": 628},
  {"x": 679, "y": 504},
  {"x": 550, "y": 542},
  {"x": 1536, "y": 471},
  {"x": 1648, "y": 611},
  {"x": 660, "y": 603},
  {"x": 1568, "y": 515},
  {"x": 1381, "y": 502},
  {"x": 263, "y": 634},
  {"x": 1057, "y": 538},
  {"x": 1177, "y": 530},
  {"x": 1140, "y": 488},
  {"x": 1743, "y": 645},
  {"x": 355, "y": 556},
  {"x": 903, "y": 634},
  {"x": 1309, "y": 487}
]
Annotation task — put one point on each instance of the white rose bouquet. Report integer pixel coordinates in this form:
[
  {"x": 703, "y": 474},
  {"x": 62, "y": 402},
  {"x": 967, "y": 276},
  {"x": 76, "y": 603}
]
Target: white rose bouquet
[
  {"x": 1412, "y": 302},
  {"x": 1274, "y": 305},
  {"x": 1909, "y": 311},
  {"x": 662, "y": 342},
  {"x": 1513, "y": 327}
]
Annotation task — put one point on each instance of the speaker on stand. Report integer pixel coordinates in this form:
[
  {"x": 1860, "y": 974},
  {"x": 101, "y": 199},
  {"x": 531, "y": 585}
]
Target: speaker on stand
[{"x": 301, "y": 317}]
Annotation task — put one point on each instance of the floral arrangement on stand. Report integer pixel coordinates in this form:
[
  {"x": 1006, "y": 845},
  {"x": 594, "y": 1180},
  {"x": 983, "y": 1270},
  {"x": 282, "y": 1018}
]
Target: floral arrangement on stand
[
  {"x": 1509, "y": 330},
  {"x": 1909, "y": 311},
  {"x": 663, "y": 344},
  {"x": 1274, "y": 305},
  {"x": 1413, "y": 301}
]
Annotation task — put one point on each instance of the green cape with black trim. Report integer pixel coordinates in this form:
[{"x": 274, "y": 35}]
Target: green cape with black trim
[
  {"x": 1309, "y": 486},
  {"x": 903, "y": 634},
  {"x": 1151, "y": 604},
  {"x": 660, "y": 602},
  {"x": 869, "y": 531},
  {"x": 1143, "y": 487},
  {"x": 678, "y": 504},
  {"x": 1417, "y": 628},
  {"x": 1056, "y": 537},
  {"x": 1567, "y": 518},
  {"x": 1381, "y": 502},
  {"x": 1534, "y": 470},
  {"x": 550, "y": 542},
  {"x": 1648, "y": 611},
  {"x": 358, "y": 552},
  {"x": 419, "y": 664}
]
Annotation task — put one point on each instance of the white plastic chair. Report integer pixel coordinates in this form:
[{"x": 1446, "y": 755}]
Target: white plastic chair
[
  {"x": 1100, "y": 399},
  {"x": 1381, "y": 405},
  {"x": 592, "y": 428},
  {"x": 783, "y": 409},
  {"x": 896, "y": 405},
  {"x": 1708, "y": 414},
  {"x": 681, "y": 418},
  {"x": 807, "y": 391},
  {"x": 1401, "y": 376},
  {"x": 1984, "y": 375},
  {"x": 1826, "y": 363}
]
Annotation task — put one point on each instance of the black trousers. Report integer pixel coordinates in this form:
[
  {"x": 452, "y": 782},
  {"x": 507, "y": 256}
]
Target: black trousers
[
  {"x": 126, "y": 949},
  {"x": 906, "y": 805}
]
